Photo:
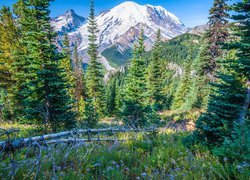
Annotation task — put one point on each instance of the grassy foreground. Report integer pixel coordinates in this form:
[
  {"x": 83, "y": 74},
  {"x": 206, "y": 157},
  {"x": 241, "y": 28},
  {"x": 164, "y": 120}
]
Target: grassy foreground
[{"x": 149, "y": 156}]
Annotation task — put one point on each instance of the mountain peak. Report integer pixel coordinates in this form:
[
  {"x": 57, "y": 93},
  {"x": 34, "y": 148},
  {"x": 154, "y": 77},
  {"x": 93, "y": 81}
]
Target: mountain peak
[
  {"x": 129, "y": 3},
  {"x": 68, "y": 21},
  {"x": 120, "y": 26},
  {"x": 70, "y": 11}
]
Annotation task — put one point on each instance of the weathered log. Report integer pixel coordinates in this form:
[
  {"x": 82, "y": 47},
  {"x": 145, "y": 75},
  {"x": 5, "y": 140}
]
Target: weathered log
[
  {"x": 55, "y": 141},
  {"x": 17, "y": 144}
]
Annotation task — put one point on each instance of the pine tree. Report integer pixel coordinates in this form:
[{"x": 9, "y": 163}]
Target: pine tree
[
  {"x": 211, "y": 50},
  {"x": 155, "y": 80},
  {"x": 111, "y": 91},
  {"x": 66, "y": 65},
  {"x": 135, "y": 106},
  {"x": 44, "y": 91},
  {"x": 243, "y": 53},
  {"x": 9, "y": 42},
  {"x": 94, "y": 77},
  {"x": 183, "y": 89},
  {"x": 229, "y": 101},
  {"x": 79, "y": 93},
  {"x": 216, "y": 35}
]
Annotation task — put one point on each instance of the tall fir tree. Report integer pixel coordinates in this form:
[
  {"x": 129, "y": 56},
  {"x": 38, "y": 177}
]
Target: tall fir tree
[
  {"x": 155, "y": 78},
  {"x": 9, "y": 42},
  {"x": 183, "y": 88},
  {"x": 229, "y": 102},
  {"x": 44, "y": 91},
  {"x": 134, "y": 104},
  {"x": 111, "y": 93},
  {"x": 67, "y": 65},
  {"x": 79, "y": 94},
  {"x": 243, "y": 53},
  {"x": 211, "y": 50},
  {"x": 216, "y": 35},
  {"x": 94, "y": 75}
]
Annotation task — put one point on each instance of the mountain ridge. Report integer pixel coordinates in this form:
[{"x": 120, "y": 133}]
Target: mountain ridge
[{"x": 120, "y": 27}]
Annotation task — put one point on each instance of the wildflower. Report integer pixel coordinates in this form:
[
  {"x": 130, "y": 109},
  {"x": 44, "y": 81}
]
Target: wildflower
[
  {"x": 126, "y": 170},
  {"x": 144, "y": 174},
  {"x": 109, "y": 168},
  {"x": 97, "y": 165}
]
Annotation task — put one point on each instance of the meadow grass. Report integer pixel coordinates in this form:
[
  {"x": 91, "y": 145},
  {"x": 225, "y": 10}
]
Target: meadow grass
[{"x": 159, "y": 155}]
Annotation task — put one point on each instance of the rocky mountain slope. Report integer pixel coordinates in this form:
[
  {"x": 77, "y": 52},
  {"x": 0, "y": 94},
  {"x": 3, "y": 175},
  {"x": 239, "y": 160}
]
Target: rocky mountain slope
[{"x": 120, "y": 27}]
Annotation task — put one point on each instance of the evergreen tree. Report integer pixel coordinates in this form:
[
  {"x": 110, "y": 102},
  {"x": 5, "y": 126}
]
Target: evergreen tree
[
  {"x": 66, "y": 65},
  {"x": 206, "y": 66},
  {"x": 111, "y": 91},
  {"x": 216, "y": 35},
  {"x": 94, "y": 77},
  {"x": 79, "y": 93},
  {"x": 9, "y": 42},
  {"x": 43, "y": 92},
  {"x": 229, "y": 101},
  {"x": 155, "y": 80},
  {"x": 135, "y": 106},
  {"x": 114, "y": 89},
  {"x": 243, "y": 54},
  {"x": 184, "y": 88}
]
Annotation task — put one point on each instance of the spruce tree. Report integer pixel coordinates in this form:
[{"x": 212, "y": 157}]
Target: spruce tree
[
  {"x": 79, "y": 93},
  {"x": 216, "y": 35},
  {"x": 66, "y": 65},
  {"x": 44, "y": 90},
  {"x": 206, "y": 66},
  {"x": 9, "y": 42},
  {"x": 155, "y": 80},
  {"x": 243, "y": 46},
  {"x": 229, "y": 101},
  {"x": 111, "y": 91},
  {"x": 183, "y": 89},
  {"x": 134, "y": 104},
  {"x": 94, "y": 76}
]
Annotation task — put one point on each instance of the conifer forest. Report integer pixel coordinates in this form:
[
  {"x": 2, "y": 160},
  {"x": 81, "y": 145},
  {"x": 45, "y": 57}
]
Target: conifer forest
[{"x": 177, "y": 110}]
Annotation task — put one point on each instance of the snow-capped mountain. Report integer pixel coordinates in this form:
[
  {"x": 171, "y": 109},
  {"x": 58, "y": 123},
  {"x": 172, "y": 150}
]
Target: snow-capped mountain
[
  {"x": 68, "y": 22},
  {"x": 120, "y": 26}
]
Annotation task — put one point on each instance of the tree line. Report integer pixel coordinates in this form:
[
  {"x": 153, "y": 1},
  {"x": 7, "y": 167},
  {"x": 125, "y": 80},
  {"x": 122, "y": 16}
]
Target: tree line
[{"x": 40, "y": 85}]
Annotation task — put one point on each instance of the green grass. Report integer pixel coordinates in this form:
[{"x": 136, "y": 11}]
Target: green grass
[
  {"x": 150, "y": 156},
  {"x": 24, "y": 130}
]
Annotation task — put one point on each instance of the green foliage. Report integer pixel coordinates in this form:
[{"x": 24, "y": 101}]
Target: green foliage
[
  {"x": 111, "y": 93},
  {"x": 236, "y": 148},
  {"x": 40, "y": 88},
  {"x": 149, "y": 156},
  {"x": 134, "y": 102},
  {"x": 66, "y": 65},
  {"x": 9, "y": 42},
  {"x": 79, "y": 93},
  {"x": 228, "y": 103},
  {"x": 115, "y": 57},
  {"x": 155, "y": 76},
  {"x": 177, "y": 49},
  {"x": 94, "y": 76}
]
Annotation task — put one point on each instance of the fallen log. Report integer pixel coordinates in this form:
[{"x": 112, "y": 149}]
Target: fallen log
[
  {"x": 10, "y": 145},
  {"x": 83, "y": 140}
]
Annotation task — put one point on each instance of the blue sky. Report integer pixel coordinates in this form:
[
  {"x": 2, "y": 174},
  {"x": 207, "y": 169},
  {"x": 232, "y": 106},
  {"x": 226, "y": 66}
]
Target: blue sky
[{"x": 190, "y": 12}]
